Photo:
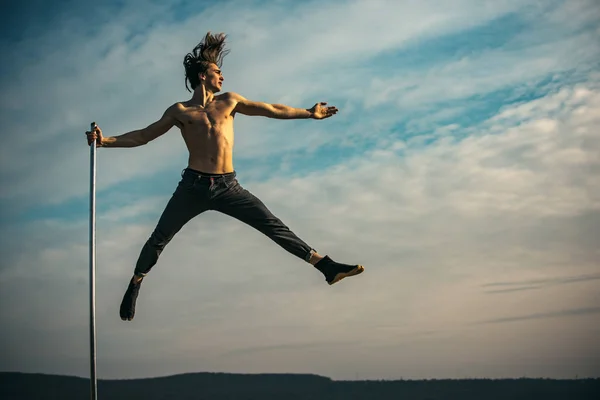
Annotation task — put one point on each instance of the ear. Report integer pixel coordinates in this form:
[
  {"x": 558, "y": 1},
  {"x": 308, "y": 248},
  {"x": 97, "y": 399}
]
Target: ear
[{"x": 201, "y": 76}]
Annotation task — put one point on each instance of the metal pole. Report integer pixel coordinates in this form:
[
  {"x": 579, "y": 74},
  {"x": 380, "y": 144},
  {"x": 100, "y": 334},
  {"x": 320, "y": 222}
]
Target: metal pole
[{"x": 93, "y": 382}]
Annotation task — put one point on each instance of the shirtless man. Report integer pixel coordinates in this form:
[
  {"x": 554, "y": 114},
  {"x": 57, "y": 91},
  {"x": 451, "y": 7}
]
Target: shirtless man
[{"x": 209, "y": 181}]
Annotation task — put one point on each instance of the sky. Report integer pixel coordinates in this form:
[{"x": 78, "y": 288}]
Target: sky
[{"x": 462, "y": 170}]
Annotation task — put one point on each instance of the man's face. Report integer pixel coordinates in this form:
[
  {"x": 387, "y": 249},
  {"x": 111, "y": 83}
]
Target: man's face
[{"x": 213, "y": 78}]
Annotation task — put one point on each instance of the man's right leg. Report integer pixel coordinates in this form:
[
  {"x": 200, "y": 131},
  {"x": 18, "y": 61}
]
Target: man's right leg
[
  {"x": 239, "y": 203},
  {"x": 185, "y": 204}
]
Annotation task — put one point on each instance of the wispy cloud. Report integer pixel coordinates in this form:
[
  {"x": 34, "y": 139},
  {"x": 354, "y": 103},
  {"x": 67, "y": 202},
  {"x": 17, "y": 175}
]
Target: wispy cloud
[
  {"x": 506, "y": 287},
  {"x": 465, "y": 157},
  {"x": 554, "y": 314},
  {"x": 115, "y": 53}
]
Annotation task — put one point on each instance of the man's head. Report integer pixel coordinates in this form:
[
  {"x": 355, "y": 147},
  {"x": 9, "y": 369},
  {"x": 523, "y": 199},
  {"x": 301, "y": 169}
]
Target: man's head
[{"x": 203, "y": 64}]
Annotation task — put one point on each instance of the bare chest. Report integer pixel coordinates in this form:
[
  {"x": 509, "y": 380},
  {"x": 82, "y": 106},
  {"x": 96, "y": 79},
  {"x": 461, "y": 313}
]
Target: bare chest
[
  {"x": 201, "y": 118},
  {"x": 211, "y": 123}
]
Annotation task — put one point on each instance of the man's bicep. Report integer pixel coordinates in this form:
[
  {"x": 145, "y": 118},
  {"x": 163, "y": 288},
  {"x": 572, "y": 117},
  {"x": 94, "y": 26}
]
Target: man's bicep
[{"x": 249, "y": 107}]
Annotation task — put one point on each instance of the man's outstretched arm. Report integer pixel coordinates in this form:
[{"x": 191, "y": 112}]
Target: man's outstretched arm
[
  {"x": 280, "y": 111},
  {"x": 138, "y": 137}
]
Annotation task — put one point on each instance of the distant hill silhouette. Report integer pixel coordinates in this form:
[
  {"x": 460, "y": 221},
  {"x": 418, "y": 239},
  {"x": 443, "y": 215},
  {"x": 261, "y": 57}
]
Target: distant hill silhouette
[{"x": 221, "y": 386}]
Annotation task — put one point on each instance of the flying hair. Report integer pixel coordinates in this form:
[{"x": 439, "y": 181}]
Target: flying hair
[{"x": 210, "y": 50}]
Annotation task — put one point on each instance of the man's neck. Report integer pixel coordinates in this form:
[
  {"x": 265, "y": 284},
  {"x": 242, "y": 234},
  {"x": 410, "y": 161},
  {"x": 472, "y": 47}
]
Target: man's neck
[{"x": 202, "y": 96}]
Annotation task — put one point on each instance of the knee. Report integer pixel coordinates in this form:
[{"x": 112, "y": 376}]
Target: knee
[{"x": 158, "y": 240}]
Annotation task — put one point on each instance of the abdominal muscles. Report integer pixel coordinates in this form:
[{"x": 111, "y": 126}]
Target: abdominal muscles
[{"x": 210, "y": 146}]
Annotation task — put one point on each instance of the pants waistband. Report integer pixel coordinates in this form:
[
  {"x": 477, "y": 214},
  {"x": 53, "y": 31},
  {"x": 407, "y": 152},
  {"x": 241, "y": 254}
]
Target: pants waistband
[{"x": 208, "y": 175}]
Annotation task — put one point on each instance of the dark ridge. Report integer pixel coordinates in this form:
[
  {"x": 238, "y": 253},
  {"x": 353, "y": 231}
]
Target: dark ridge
[{"x": 221, "y": 386}]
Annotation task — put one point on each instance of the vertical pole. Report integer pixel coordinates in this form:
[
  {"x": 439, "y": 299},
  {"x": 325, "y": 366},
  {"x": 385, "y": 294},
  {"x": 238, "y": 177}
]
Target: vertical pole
[{"x": 93, "y": 382}]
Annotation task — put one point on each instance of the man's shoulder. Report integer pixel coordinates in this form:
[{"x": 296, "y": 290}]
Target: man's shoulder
[
  {"x": 175, "y": 107},
  {"x": 230, "y": 96}
]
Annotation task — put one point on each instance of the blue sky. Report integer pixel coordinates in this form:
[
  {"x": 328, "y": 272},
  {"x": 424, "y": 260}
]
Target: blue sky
[{"x": 465, "y": 155}]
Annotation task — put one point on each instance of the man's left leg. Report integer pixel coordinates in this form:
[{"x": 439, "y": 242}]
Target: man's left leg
[{"x": 239, "y": 203}]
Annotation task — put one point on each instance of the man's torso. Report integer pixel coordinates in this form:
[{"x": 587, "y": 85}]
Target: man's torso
[{"x": 208, "y": 133}]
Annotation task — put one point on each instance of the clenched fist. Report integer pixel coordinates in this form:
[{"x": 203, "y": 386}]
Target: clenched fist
[{"x": 95, "y": 134}]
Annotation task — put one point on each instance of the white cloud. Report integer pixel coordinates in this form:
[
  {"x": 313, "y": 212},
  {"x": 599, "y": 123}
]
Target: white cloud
[
  {"x": 514, "y": 197},
  {"x": 124, "y": 85},
  {"x": 515, "y": 64}
]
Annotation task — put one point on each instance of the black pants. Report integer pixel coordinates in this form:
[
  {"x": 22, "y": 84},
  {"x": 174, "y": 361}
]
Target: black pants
[{"x": 198, "y": 192}]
